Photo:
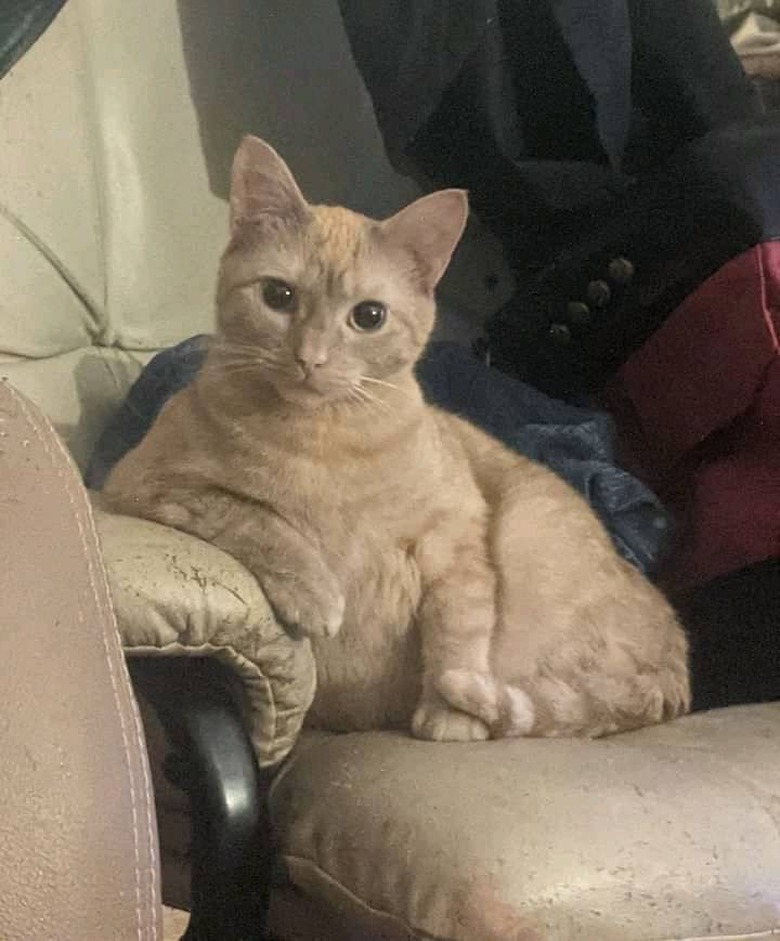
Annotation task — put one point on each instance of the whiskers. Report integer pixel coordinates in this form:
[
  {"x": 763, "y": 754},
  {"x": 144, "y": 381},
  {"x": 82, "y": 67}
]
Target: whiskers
[
  {"x": 275, "y": 368},
  {"x": 359, "y": 393},
  {"x": 382, "y": 382},
  {"x": 244, "y": 357}
]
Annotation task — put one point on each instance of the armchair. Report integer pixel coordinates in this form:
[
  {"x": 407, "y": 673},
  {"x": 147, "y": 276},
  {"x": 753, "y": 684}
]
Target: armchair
[{"x": 118, "y": 128}]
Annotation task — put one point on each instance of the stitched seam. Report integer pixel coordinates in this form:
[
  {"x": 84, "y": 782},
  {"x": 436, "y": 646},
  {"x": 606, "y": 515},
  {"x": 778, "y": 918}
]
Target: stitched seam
[
  {"x": 140, "y": 742},
  {"x": 114, "y": 682},
  {"x": 65, "y": 479}
]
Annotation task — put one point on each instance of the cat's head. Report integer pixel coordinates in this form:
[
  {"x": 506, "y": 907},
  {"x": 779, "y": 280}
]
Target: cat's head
[{"x": 317, "y": 298}]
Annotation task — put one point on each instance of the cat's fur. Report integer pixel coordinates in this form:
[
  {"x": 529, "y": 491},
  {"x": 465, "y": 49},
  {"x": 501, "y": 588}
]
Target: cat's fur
[{"x": 447, "y": 584}]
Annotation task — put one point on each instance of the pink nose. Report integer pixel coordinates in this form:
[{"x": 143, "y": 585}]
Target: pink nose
[
  {"x": 309, "y": 363},
  {"x": 311, "y": 352}
]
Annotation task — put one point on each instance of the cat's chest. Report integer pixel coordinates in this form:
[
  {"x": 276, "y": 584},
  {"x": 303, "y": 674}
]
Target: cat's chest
[
  {"x": 366, "y": 517},
  {"x": 385, "y": 498}
]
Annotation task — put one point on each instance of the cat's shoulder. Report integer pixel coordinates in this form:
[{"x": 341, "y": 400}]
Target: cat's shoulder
[{"x": 456, "y": 429}]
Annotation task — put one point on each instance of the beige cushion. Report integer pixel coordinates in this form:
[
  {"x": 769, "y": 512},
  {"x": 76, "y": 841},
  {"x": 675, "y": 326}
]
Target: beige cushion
[
  {"x": 175, "y": 595},
  {"x": 667, "y": 833},
  {"x": 109, "y": 233}
]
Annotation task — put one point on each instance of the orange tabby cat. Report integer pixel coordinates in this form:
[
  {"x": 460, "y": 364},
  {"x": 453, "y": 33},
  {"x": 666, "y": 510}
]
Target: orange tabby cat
[{"x": 447, "y": 584}]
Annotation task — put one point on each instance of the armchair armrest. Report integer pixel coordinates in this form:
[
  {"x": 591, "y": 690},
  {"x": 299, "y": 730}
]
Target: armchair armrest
[
  {"x": 230, "y": 689},
  {"x": 177, "y": 596}
]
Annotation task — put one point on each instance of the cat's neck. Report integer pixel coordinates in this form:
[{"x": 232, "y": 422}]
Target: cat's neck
[{"x": 246, "y": 406}]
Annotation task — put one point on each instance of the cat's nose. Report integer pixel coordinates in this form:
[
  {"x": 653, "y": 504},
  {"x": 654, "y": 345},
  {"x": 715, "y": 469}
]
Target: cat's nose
[
  {"x": 309, "y": 363},
  {"x": 311, "y": 351}
]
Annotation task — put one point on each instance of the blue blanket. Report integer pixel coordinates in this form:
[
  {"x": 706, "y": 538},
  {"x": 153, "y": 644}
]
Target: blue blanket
[{"x": 576, "y": 443}]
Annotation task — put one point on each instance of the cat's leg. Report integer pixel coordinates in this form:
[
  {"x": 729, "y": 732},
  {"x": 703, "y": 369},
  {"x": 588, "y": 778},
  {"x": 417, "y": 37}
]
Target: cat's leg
[
  {"x": 581, "y": 634},
  {"x": 461, "y": 700},
  {"x": 305, "y": 595},
  {"x": 508, "y": 710},
  {"x": 301, "y": 588},
  {"x": 435, "y": 720},
  {"x": 582, "y": 638}
]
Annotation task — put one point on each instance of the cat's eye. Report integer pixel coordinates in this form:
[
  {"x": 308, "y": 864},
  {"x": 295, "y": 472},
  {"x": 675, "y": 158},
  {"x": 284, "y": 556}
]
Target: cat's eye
[
  {"x": 367, "y": 316},
  {"x": 279, "y": 295}
]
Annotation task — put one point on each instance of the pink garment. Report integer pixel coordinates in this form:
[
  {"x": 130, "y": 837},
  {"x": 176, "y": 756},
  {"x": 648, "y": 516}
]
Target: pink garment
[{"x": 698, "y": 411}]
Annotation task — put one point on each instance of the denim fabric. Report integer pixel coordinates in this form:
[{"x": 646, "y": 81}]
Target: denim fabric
[{"x": 576, "y": 443}]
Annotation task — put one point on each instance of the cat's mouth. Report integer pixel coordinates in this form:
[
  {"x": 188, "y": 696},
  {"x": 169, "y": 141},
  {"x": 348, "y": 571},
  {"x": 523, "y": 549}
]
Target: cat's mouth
[{"x": 311, "y": 391}]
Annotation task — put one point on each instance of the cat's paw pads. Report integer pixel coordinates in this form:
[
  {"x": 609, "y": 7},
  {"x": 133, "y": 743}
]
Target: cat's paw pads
[
  {"x": 307, "y": 612},
  {"x": 506, "y": 710},
  {"x": 436, "y": 722}
]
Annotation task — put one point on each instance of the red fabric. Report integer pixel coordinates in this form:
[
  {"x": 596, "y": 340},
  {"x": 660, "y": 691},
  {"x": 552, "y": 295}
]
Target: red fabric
[{"x": 698, "y": 408}]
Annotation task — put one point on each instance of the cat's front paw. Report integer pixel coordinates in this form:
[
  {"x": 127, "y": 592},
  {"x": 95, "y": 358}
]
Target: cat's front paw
[
  {"x": 309, "y": 610},
  {"x": 435, "y": 721},
  {"x": 506, "y": 710}
]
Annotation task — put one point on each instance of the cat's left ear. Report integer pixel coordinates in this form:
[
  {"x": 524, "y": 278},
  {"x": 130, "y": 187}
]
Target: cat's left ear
[
  {"x": 429, "y": 229},
  {"x": 261, "y": 183}
]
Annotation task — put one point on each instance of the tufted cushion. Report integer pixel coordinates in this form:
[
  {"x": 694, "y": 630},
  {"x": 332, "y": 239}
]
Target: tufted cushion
[{"x": 106, "y": 254}]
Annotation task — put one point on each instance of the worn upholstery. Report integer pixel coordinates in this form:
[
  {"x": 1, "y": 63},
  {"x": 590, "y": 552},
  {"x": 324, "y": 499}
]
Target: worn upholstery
[
  {"x": 178, "y": 596},
  {"x": 666, "y": 833},
  {"x": 73, "y": 864},
  {"x": 118, "y": 127}
]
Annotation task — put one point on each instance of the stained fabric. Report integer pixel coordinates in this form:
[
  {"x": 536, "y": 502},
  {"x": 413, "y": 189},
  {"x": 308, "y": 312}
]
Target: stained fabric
[{"x": 578, "y": 444}]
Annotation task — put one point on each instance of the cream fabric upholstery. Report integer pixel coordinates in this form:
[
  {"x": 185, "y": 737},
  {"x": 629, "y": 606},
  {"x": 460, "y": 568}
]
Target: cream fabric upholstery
[
  {"x": 118, "y": 128},
  {"x": 105, "y": 254}
]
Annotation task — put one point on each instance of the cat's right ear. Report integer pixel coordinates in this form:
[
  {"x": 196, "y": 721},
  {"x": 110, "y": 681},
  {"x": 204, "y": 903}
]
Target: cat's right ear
[
  {"x": 429, "y": 229},
  {"x": 261, "y": 184}
]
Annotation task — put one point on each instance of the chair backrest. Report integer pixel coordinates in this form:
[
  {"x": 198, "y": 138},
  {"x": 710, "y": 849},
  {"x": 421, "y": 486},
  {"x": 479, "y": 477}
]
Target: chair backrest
[
  {"x": 79, "y": 855},
  {"x": 116, "y": 133}
]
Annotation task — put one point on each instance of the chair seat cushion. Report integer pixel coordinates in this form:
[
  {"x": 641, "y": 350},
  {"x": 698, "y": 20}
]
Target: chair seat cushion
[
  {"x": 670, "y": 832},
  {"x": 175, "y": 595}
]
